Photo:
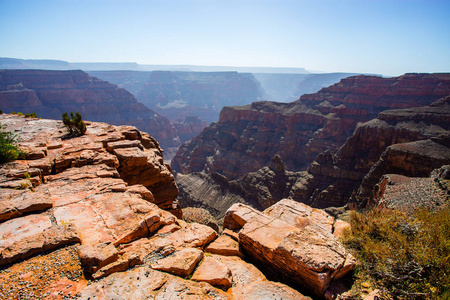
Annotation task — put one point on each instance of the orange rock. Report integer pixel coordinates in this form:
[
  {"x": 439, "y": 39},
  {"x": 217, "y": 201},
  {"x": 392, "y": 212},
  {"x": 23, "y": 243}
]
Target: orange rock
[
  {"x": 224, "y": 245},
  {"x": 265, "y": 290},
  {"x": 144, "y": 283},
  {"x": 242, "y": 272},
  {"x": 180, "y": 263},
  {"x": 299, "y": 214},
  {"x": 213, "y": 272},
  {"x": 339, "y": 227},
  {"x": 310, "y": 255}
]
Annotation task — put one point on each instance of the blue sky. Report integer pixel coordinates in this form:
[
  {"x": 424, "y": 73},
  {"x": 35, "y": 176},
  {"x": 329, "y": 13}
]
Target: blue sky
[{"x": 370, "y": 36}]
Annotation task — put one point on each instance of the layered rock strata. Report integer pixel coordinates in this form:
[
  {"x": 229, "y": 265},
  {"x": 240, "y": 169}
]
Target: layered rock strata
[
  {"x": 51, "y": 93},
  {"x": 409, "y": 142},
  {"x": 80, "y": 189},
  {"x": 260, "y": 189},
  {"x": 247, "y": 137},
  {"x": 298, "y": 244}
]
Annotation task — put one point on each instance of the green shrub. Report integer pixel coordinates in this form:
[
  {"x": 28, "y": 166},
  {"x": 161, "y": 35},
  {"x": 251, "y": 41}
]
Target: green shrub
[
  {"x": 8, "y": 146},
  {"x": 74, "y": 123},
  {"x": 406, "y": 257},
  {"x": 31, "y": 115},
  {"x": 201, "y": 216},
  {"x": 20, "y": 114}
]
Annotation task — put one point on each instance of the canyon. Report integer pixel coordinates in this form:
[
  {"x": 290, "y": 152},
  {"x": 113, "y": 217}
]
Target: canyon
[{"x": 323, "y": 148}]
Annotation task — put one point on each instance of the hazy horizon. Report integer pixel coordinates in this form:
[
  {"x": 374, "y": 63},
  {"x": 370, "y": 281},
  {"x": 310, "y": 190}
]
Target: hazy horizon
[{"x": 359, "y": 36}]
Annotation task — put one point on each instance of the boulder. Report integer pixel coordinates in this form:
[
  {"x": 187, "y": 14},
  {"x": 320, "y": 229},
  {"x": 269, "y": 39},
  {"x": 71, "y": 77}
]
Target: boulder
[
  {"x": 213, "y": 272},
  {"x": 224, "y": 245},
  {"x": 305, "y": 254},
  {"x": 242, "y": 273},
  {"x": 181, "y": 263}
]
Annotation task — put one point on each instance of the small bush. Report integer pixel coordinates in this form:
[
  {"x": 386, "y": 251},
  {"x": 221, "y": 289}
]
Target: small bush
[
  {"x": 407, "y": 257},
  {"x": 201, "y": 216},
  {"x": 8, "y": 146},
  {"x": 20, "y": 114},
  {"x": 74, "y": 123},
  {"x": 31, "y": 115}
]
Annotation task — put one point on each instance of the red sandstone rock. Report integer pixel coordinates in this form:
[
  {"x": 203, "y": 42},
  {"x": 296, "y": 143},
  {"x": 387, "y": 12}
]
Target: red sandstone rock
[
  {"x": 28, "y": 244},
  {"x": 300, "y": 215},
  {"x": 86, "y": 194},
  {"x": 213, "y": 272},
  {"x": 266, "y": 290},
  {"x": 339, "y": 228},
  {"x": 224, "y": 245},
  {"x": 242, "y": 272},
  {"x": 307, "y": 254},
  {"x": 181, "y": 263},
  {"x": 144, "y": 283}
]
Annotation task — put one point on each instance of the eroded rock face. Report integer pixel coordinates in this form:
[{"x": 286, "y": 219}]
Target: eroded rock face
[
  {"x": 300, "y": 246},
  {"x": 412, "y": 193},
  {"x": 411, "y": 142},
  {"x": 78, "y": 192},
  {"x": 259, "y": 189},
  {"x": 51, "y": 93},
  {"x": 247, "y": 137}
]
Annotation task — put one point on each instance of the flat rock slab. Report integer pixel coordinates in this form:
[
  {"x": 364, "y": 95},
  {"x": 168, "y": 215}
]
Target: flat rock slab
[
  {"x": 266, "y": 290},
  {"x": 213, "y": 272},
  {"x": 50, "y": 238},
  {"x": 146, "y": 283},
  {"x": 242, "y": 272},
  {"x": 181, "y": 263},
  {"x": 14, "y": 230},
  {"x": 299, "y": 214},
  {"x": 224, "y": 245}
]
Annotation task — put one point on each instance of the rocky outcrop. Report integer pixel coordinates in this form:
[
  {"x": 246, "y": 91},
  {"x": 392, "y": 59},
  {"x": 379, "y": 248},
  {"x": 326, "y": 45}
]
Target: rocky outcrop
[
  {"x": 409, "y": 194},
  {"x": 247, "y": 137},
  {"x": 51, "y": 93},
  {"x": 299, "y": 247},
  {"x": 81, "y": 190}
]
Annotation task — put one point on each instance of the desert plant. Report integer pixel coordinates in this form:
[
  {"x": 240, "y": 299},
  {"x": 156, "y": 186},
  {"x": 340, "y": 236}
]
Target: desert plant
[
  {"x": 74, "y": 123},
  {"x": 406, "y": 256},
  {"x": 31, "y": 115},
  {"x": 201, "y": 216},
  {"x": 8, "y": 145},
  {"x": 20, "y": 114}
]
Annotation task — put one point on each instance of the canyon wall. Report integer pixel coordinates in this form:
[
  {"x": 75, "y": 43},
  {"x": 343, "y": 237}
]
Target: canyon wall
[
  {"x": 247, "y": 137},
  {"x": 51, "y": 93}
]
